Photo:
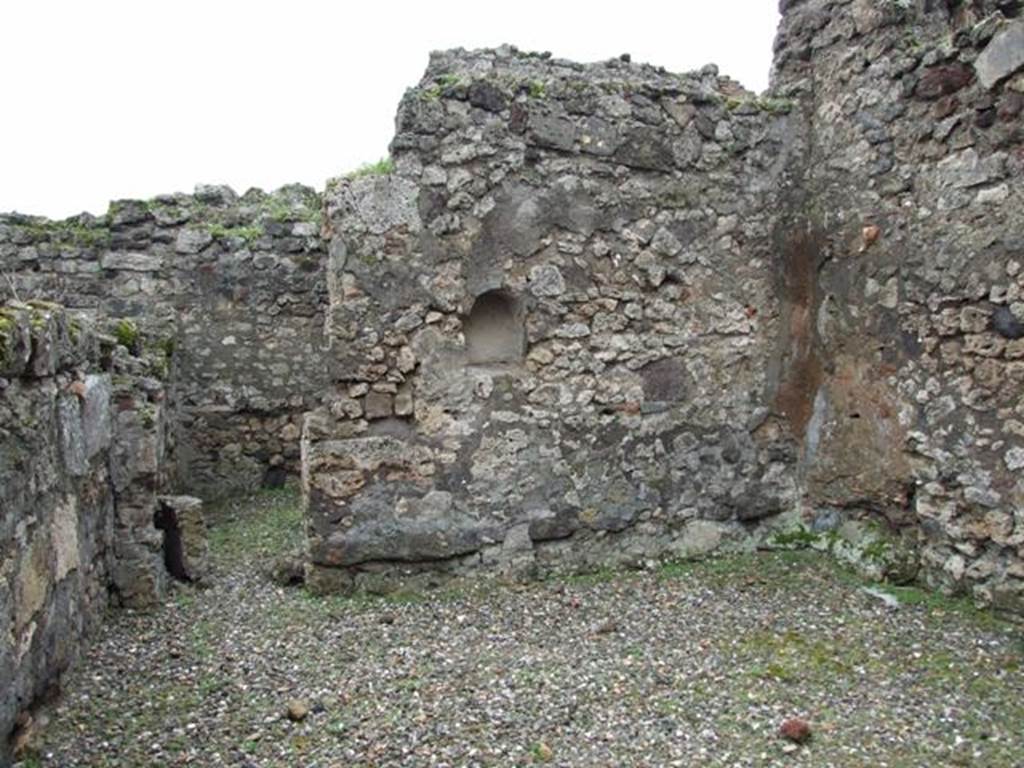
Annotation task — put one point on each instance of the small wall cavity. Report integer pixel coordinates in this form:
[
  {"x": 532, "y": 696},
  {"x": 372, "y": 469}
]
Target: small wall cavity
[{"x": 494, "y": 329}]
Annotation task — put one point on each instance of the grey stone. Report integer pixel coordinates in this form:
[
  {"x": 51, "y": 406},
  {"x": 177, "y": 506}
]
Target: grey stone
[
  {"x": 555, "y": 131},
  {"x": 215, "y": 194},
  {"x": 1003, "y": 55},
  {"x": 681, "y": 111},
  {"x": 646, "y": 149},
  {"x": 97, "y": 424},
  {"x": 487, "y": 96},
  {"x": 383, "y": 202},
  {"x": 967, "y": 169},
  {"x": 404, "y": 404},
  {"x": 1014, "y": 458},
  {"x": 1006, "y": 323},
  {"x": 665, "y": 243},
  {"x": 134, "y": 262},
  {"x": 546, "y": 280},
  {"x": 192, "y": 240},
  {"x": 378, "y": 405},
  {"x": 598, "y": 137},
  {"x": 73, "y": 447},
  {"x": 869, "y": 16}
]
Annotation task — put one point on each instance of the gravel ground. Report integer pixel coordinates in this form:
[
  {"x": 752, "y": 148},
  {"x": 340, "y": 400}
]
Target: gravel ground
[{"x": 692, "y": 665}]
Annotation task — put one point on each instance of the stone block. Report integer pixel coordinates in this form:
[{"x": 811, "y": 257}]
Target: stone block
[
  {"x": 192, "y": 240},
  {"x": 97, "y": 424},
  {"x": 1003, "y": 55},
  {"x": 72, "y": 439},
  {"x": 378, "y": 405},
  {"x": 404, "y": 404},
  {"x": 132, "y": 262}
]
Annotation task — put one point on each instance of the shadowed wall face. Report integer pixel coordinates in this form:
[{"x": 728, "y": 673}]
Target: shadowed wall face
[{"x": 83, "y": 449}]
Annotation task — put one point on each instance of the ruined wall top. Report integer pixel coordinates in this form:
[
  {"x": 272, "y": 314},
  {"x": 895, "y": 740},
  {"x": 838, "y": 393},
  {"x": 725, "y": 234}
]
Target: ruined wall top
[
  {"x": 233, "y": 283},
  {"x": 512, "y": 71}
]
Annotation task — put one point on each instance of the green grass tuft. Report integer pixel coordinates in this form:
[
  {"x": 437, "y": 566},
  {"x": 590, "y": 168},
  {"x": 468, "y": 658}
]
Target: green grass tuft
[
  {"x": 447, "y": 80},
  {"x": 249, "y": 234},
  {"x": 63, "y": 233},
  {"x": 382, "y": 167},
  {"x": 126, "y": 333}
]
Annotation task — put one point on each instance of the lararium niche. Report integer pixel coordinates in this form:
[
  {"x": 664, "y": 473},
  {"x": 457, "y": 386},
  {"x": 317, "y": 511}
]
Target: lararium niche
[{"x": 494, "y": 329}]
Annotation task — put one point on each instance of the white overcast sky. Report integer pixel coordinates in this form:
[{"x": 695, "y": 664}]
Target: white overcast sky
[{"x": 108, "y": 99}]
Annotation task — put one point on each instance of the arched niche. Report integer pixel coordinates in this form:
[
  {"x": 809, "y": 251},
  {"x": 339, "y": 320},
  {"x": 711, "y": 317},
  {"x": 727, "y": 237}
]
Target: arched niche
[{"x": 495, "y": 330}]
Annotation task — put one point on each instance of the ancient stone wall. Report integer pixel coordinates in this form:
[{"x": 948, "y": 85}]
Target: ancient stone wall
[
  {"x": 557, "y": 324},
  {"x": 236, "y": 285},
  {"x": 604, "y": 313},
  {"x": 595, "y": 314},
  {"x": 916, "y": 320},
  {"x": 82, "y": 444}
]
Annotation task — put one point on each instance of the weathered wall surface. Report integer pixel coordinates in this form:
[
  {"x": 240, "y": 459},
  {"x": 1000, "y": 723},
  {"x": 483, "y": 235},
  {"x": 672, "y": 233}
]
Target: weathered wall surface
[
  {"x": 603, "y": 313},
  {"x": 914, "y": 183},
  {"x": 236, "y": 285},
  {"x": 82, "y": 440},
  {"x": 627, "y": 219}
]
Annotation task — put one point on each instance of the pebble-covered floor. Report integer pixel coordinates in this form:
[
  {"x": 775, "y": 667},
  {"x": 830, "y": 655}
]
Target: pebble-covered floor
[{"x": 692, "y": 665}]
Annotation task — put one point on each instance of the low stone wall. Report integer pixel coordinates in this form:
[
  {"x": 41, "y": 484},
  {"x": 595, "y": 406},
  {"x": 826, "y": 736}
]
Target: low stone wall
[
  {"x": 235, "y": 284},
  {"x": 82, "y": 447}
]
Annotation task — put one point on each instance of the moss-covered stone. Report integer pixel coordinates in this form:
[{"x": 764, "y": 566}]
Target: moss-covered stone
[{"x": 63, "y": 233}]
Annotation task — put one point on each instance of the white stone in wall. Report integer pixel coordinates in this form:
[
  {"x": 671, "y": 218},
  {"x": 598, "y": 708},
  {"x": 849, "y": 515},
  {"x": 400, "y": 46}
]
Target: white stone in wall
[{"x": 64, "y": 536}]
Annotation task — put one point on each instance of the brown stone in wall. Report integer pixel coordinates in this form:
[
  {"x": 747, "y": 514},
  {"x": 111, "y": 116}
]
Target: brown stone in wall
[
  {"x": 943, "y": 80},
  {"x": 801, "y": 369}
]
